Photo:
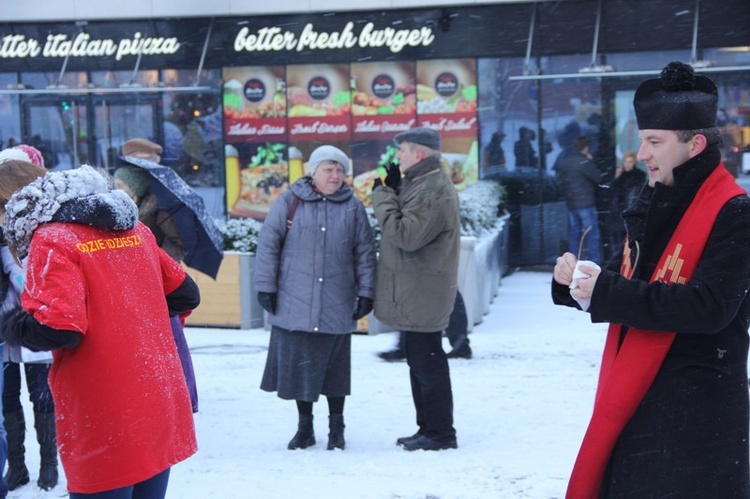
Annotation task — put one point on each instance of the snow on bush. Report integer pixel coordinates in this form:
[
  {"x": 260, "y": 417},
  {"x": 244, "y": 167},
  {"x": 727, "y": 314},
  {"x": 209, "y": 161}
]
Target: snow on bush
[
  {"x": 240, "y": 234},
  {"x": 480, "y": 204}
]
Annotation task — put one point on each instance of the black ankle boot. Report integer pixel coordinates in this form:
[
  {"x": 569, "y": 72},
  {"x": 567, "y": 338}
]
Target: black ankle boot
[
  {"x": 336, "y": 434},
  {"x": 305, "y": 436}
]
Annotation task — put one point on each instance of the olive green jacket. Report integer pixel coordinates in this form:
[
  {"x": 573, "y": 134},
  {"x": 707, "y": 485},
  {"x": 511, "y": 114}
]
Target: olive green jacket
[{"x": 421, "y": 237}]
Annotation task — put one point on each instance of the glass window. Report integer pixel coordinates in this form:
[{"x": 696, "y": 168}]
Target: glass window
[
  {"x": 646, "y": 61},
  {"x": 10, "y": 116},
  {"x": 194, "y": 135},
  {"x": 117, "y": 79},
  {"x": 44, "y": 80}
]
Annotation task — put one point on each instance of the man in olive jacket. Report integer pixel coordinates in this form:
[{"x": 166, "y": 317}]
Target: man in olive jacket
[{"x": 417, "y": 277}]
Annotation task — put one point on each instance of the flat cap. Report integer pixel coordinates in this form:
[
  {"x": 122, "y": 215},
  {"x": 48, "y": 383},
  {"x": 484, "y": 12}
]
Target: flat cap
[
  {"x": 140, "y": 145},
  {"x": 422, "y": 136}
]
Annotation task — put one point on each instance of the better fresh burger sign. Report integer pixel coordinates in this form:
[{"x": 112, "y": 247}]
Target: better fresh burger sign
[{"x": 274, "y": 39}]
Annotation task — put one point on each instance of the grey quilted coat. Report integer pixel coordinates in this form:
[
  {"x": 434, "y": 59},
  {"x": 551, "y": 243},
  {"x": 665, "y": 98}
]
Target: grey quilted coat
[
  {"x": 419, "y": 247},
  {"x": 326, "y": 262}
]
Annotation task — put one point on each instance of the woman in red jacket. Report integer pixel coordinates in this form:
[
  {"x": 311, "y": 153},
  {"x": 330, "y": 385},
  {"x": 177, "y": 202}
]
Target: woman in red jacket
[{"x": 99, "y": 294}]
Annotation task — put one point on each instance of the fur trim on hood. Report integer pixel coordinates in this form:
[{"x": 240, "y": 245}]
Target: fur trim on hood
[{"x": 82, "y": 195}]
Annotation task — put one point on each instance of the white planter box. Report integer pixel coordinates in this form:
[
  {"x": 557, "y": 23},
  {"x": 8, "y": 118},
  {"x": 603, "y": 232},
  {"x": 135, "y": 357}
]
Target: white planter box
[{"x": 481, "y": 263}]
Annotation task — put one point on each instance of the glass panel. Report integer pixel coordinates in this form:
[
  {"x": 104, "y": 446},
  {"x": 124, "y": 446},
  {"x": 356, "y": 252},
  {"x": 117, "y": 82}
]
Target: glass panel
[
  {"x": 728, "y": 56},
  {"x": 193, "y": 135},
  {"x": 60, "y": 127},
  {"x": 734, "y": 121},
  {"x": 645, "y": 61},
  {"x": 116, "y": 79},
  {"x": 511, "y": 141},
  {"x": 10, "y": 116},
  {"x": 118, "y": 119},
  {"x": 44, "y": 80}
]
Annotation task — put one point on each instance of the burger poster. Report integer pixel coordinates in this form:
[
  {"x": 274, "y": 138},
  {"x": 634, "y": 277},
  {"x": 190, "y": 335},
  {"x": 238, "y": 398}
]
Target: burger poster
[
  {"x": 384, "y": 99},
  {"x": 255, "y": 106},
  {"x": 319, "y": 100}
]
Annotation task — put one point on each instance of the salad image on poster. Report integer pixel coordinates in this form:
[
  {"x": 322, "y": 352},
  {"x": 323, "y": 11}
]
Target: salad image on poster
[{"x": 447, "y": 103}]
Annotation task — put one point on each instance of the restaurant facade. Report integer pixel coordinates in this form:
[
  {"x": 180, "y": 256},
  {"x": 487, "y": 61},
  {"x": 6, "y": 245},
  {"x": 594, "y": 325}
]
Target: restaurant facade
[{"x": 240, "y": 102}]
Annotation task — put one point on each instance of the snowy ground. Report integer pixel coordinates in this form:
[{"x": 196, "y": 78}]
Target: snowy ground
[{"x": 521, "y": 407}]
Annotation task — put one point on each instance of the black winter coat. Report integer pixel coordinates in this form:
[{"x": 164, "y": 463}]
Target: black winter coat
[
  {"x": 689, "y": 436},
  {"x": 579, "y": 181}
]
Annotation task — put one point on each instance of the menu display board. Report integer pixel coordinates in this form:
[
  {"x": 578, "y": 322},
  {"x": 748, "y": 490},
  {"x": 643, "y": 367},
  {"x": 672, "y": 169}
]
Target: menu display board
[
  {"x": 447, "y": 103},
  {"x": 255, "y": 104},
  {"x": 384, "y": 99},
  {"x": 255, "y": 128},
  {"x": 276, "y": 116},
  {"x": 319, "y": 100}
]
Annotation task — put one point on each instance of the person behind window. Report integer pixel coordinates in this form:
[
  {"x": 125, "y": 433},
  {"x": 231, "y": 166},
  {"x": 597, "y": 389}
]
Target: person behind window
[
  {"x": 626, "y": 185},
  {"x": 579, "y": 181}
]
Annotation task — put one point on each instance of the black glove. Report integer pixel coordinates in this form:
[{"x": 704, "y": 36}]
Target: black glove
[
  {"x": 267, "y": 301},
  {"x": 364, "y": 307},
  {"x": 393, "y": 178},
  {"x": 11, "y": 325},
  {"x": 377, "y": 183}
]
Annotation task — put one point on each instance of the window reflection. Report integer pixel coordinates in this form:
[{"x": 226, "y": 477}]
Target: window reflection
[{"x": 10, "y": 115}]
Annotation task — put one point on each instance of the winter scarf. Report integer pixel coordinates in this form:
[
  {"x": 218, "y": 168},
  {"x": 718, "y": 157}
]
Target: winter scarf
[
  {"x": 82, "y": 195},
  {"x": 627, "y": 371}
]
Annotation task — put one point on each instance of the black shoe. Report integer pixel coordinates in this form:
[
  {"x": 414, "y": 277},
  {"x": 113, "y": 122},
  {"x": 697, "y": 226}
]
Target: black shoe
[
  {"x": 426, "y": 443},
  {"x": 392, "y": 355},
  {"x": 403, "y": 440},
  {"x": 462, "y": 353},
  {"x": 461, "y": 348}
]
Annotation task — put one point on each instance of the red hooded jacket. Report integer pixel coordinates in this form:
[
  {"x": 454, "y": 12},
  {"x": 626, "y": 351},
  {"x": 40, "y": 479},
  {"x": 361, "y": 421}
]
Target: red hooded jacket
[{"x": 121, "y": 403}]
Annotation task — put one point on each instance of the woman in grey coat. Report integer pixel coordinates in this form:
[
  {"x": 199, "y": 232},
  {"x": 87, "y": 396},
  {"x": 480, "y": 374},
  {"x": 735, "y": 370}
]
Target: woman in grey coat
[{"x": 315, "y": 276}]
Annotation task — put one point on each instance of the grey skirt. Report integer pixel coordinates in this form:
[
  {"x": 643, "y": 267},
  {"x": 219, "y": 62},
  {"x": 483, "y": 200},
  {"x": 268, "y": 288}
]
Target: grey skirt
[{"x": 303, "y": 366}]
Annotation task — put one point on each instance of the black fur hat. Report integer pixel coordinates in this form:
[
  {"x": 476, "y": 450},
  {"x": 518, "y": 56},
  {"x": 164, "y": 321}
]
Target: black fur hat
[{"x": 677, "y": 100}]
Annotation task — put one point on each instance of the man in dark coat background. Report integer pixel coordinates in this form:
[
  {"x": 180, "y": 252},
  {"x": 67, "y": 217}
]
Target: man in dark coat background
[
  {"x": 579, "y": 181},
  {"x": 671, "y": 411}
]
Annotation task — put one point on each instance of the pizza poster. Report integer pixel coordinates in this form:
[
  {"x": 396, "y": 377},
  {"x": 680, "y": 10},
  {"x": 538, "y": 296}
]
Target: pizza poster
[
  {"x": 384, "y": 99},
  {"x": 447, "y": 96},
  {"x": 319, "y": 100},
  {"x": 255, "y": 105}
]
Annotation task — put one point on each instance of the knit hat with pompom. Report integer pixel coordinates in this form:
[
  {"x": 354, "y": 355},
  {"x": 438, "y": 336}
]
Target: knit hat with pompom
[{"x": 677, "y": 100}]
